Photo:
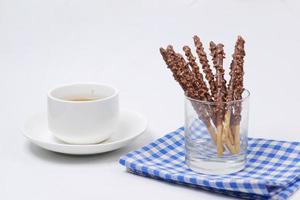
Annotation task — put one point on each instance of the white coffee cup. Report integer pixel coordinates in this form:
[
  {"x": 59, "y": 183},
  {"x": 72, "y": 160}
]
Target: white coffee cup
[{"x": 83, "y": 113}]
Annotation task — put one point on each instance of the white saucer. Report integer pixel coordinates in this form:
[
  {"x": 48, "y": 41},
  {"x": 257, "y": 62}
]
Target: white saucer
[{"x": 131, "y": 125}]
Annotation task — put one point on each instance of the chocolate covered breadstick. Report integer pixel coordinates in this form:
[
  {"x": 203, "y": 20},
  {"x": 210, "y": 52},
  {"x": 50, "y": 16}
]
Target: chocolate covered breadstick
[
  {"x": 238, "y": 59},
  {"x": 228, "y": 135},
  {"x": 205, "y": 65},
  {"x": 218, "y": 55}
]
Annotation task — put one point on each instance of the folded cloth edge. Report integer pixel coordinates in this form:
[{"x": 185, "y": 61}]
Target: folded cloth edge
[{"x": 136, "y": 167}]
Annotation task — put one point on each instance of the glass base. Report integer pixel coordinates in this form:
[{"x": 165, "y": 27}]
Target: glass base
[{"x": 215, "y": 167}]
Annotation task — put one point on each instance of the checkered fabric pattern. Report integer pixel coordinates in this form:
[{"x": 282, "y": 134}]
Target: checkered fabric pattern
[{"x": 272, "y": 170}]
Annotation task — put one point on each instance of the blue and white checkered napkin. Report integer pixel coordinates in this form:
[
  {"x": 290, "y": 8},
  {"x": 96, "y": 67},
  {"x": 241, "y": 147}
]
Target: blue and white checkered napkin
[{"x": 272, "y": 170}]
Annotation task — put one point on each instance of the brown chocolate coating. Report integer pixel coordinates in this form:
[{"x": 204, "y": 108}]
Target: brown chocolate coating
[
  {"x": 231, "y": 82},
  {"x": 238, "y": 57},
  {"x": 201, "y": 85},
  {"x": 238, "y": 85},
  {"x": 205, "y": 65},
  {"x": 218, "y": 55}
]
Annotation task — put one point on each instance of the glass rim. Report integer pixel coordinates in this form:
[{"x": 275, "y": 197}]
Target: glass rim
[{"x": 246, "y": 91}]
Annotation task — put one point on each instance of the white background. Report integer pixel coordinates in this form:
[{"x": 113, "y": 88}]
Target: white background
[{"x": 46, "y": 43}]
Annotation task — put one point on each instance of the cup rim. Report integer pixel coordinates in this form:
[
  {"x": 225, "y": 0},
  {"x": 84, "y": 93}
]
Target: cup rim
[
  {"x": 49, "y": 93},
  {"x": 247, "y": 96}
]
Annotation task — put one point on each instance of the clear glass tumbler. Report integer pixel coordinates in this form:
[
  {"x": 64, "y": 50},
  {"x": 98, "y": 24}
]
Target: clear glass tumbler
[{"x": 216, "y": 135}]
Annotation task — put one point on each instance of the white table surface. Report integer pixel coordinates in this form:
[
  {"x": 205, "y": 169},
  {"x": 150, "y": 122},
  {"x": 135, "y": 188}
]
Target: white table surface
[{"x": 46, "y": 43}]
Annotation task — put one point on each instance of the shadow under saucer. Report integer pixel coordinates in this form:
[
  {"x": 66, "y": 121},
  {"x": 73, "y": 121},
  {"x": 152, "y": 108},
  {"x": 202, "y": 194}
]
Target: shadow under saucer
[{"x": 112, "y": 156}]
